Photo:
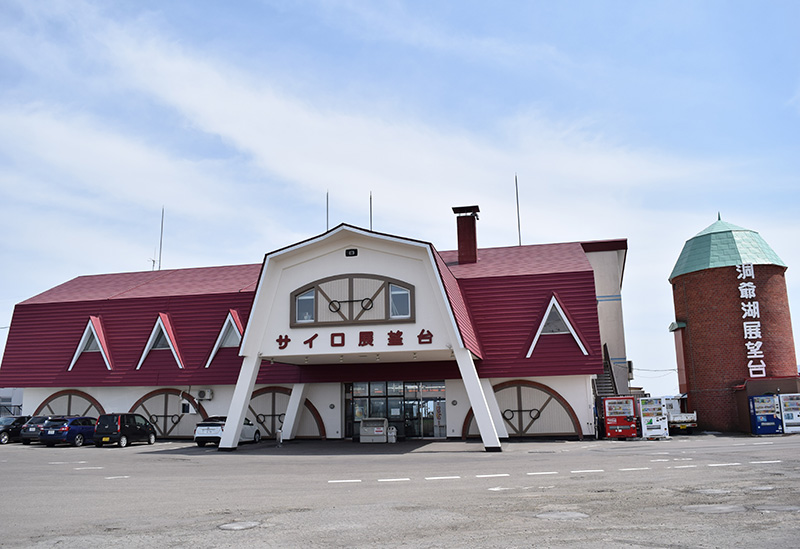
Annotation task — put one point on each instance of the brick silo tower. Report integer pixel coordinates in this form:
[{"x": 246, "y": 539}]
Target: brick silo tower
[{"x": 732, "y": 323}]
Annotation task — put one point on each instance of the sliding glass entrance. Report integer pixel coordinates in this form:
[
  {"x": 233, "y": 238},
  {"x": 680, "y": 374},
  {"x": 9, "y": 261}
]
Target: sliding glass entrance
[
  {"x": 416, "y": 409},
  {"x": 424, "y": 410}
]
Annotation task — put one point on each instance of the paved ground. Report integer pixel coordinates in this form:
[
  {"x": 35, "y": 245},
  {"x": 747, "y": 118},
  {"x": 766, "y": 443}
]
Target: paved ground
[{"x": 691, "y": 491}]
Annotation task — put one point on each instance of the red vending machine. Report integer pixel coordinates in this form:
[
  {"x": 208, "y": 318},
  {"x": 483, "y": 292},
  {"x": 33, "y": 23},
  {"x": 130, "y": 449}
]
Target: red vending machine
[{"x": 620, "y": 416}]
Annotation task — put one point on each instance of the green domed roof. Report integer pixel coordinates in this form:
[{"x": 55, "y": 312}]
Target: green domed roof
[{"x": 724, "y": 245}]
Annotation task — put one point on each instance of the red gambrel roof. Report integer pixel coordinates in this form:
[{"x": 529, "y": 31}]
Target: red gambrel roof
[
  {"x": 507, "y": 292},
  {"x": 167, "y": 283},
  {"x": 497, "y": 304}
]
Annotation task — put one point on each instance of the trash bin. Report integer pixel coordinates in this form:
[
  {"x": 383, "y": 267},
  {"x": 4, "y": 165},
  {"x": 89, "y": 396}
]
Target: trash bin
[
  {"x": 373, "y": 429},
  {"x": 391, "y": 435}
]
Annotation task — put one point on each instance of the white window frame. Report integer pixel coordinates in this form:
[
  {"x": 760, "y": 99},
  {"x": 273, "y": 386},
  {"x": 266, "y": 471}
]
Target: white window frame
[
  {"x": 554, "y": 304},
  {"x": 89, "y": 333},
  {"x": 158, "y": 328}
]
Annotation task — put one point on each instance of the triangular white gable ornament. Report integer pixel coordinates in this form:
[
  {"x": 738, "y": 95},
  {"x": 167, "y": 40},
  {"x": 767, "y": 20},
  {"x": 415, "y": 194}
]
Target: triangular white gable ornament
[
  {"x": 229, "y": 334},
  {"x": 555, "y": 308},
  {"x": 158, "y": 329},
  {"x": 90, "y": 335}
]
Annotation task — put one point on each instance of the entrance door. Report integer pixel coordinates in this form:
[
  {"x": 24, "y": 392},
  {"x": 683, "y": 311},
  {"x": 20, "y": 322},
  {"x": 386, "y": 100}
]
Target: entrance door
[
  {"x": 424, "y": 411},
  {"x": 412, "y": 418}
]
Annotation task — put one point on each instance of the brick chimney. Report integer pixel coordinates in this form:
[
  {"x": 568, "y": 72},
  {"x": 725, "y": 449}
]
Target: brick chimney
[{"x": 466, "y": 216}]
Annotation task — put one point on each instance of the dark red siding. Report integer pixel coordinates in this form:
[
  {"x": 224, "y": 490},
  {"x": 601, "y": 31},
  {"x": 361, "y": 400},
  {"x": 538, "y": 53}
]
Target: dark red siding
[
  {"x": 43, "y": 338},
  {"x": 508, "y": 311}
]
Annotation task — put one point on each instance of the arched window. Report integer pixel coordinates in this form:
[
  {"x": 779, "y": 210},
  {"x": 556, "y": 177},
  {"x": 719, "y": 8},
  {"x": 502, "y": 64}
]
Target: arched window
[{"x": 354, "y": 298}]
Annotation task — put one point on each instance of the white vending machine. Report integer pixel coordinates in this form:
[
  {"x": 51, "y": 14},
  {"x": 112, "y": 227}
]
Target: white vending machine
[
  {"x": 655, "y": 422},
  {"x": 790, "y": 410}
]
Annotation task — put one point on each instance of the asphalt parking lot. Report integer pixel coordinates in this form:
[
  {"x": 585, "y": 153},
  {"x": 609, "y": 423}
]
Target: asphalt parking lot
[{"x": 690, "y": 491}]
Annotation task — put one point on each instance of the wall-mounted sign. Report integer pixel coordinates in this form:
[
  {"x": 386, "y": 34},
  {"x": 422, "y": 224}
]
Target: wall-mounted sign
[
  {"x": 751, "y": 320},
  {"x": 365, "y": 339}
]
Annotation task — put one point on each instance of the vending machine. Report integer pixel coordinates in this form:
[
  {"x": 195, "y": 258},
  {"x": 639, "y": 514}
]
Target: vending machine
[
  {"x": 619, "y": 417},
  {"x": 655, "y": 421},
  {"x": 765, "y": 415},
  {"x": 790, "y": 412}
]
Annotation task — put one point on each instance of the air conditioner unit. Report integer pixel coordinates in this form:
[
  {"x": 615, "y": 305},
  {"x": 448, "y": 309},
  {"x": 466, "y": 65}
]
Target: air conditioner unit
[{"x": 205, "y": 394}]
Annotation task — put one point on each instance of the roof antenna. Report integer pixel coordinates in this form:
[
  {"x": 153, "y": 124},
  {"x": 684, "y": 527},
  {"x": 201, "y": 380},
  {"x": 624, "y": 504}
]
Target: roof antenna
[
  {"x": 327, "y": 211},
  {"x": 370, "y": 210},
  {"x": 719, "y": 216},
  {"x": 160, "y": 244},
  {"x": 519, "y": 229},
  {"x": 161, "y": 238}
]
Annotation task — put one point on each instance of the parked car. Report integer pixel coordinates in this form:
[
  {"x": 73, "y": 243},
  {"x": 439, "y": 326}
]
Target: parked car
[
  {"x": 210, "y": 431},
  {"x": 10, "y": 428},
  {"x": 69, "y": 430},
  {"x": 30, "y": 431},
  {"x": 123, "y": 429}
]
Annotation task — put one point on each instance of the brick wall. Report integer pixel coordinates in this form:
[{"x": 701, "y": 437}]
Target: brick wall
[{"x": 713, "y": 341}]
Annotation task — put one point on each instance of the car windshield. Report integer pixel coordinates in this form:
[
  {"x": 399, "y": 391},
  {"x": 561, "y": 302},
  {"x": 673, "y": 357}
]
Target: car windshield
[
  {"x": 6, "y": 420},
  {"x": 54, "y": 422}
]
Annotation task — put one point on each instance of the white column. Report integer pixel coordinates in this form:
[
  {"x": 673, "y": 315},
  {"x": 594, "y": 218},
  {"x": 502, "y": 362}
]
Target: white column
[
  {"x": 477, "y": 399},
  {"x": 494, "y": 408},
  {"x": 292, "y": 418},
  {"x": 239, "y": 402}
]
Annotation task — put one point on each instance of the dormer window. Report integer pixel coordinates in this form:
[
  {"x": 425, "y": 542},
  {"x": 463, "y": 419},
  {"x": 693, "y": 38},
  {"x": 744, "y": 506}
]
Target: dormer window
[
  {"x": 161, "y": 341},
  {"x": 91, "y": 345}
]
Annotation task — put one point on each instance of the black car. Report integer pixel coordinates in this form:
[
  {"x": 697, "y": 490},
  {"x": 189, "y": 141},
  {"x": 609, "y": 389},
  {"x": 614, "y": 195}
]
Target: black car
[
  {"x": 30, "y": 431},
  {"x": 10, "y": 427},
  {"x": 122, "y": 429}
]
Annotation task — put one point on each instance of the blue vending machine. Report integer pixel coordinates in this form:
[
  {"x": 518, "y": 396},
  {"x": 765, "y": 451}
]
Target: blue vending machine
[{"x": 765, "y": 415}]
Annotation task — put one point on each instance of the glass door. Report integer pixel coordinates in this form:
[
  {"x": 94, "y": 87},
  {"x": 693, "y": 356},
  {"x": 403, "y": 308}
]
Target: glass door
[{"x": 433, "y": 408}]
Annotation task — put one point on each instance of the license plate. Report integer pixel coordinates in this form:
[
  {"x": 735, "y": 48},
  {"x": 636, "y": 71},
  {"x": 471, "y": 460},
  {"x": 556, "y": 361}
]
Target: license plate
[
  {"x": 51, "y": 432},
  {"x": 105, "y": 439}
]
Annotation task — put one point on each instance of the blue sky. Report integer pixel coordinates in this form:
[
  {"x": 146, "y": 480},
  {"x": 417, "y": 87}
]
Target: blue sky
[{"x": 637, "y": 120}]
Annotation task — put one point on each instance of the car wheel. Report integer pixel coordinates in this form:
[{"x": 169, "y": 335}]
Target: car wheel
[
  {"x": 151, "y": 439},
  {"x": 26, "y": 441},
  {"x": 123, "y": 441},
  {"x": 4, "y": 438},
  {"x": 78, "y": 440},
  {"x": 257, "y": 437}
]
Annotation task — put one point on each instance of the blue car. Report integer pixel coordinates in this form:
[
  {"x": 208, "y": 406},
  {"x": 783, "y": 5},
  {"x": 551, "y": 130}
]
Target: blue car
[{"x": 69, "y": 430}]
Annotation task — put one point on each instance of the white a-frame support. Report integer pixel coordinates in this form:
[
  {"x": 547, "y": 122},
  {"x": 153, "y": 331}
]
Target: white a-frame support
[
  {"x": 477, "y": 399},
  {"x": 239, "y": 402}
]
